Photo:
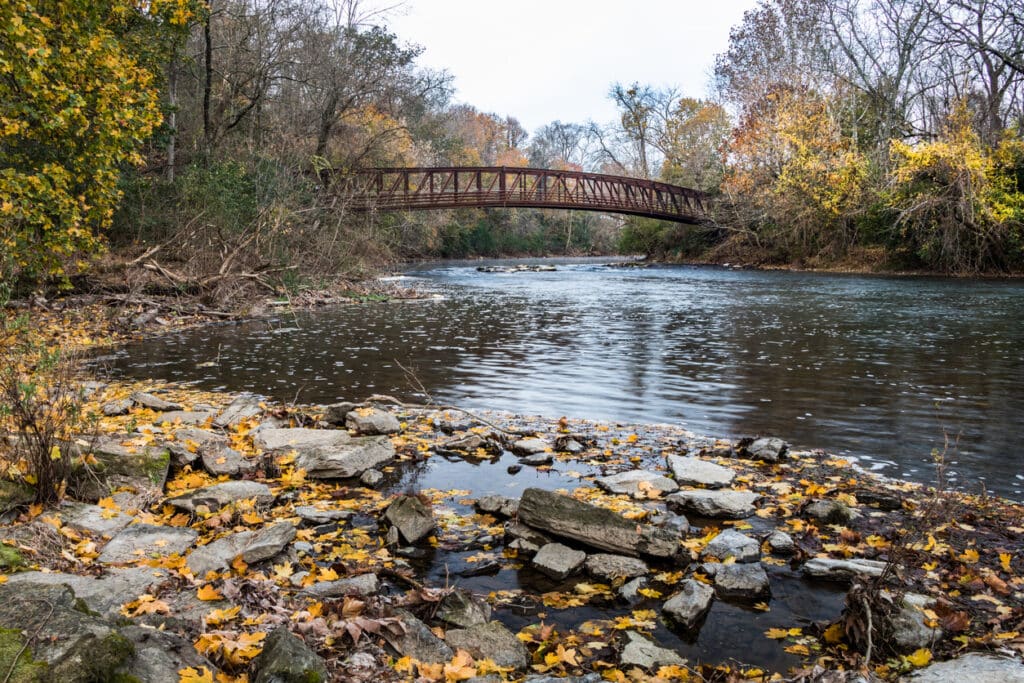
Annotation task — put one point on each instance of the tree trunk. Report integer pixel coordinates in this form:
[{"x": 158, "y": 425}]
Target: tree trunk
[{"x": 208, "y": 75}]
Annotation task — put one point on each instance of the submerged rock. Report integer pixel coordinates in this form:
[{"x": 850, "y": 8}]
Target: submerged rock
[{"x": 593, "y": 526}]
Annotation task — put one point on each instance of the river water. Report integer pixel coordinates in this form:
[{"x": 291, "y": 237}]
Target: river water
[{"x": 882, "y": 369}]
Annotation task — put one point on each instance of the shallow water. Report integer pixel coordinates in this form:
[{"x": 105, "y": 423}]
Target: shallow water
[{"x": 879, "y": 368}]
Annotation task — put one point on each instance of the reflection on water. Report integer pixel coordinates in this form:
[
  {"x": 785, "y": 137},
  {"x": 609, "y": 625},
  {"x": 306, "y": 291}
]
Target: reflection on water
[{"x": 872, "y": 367}]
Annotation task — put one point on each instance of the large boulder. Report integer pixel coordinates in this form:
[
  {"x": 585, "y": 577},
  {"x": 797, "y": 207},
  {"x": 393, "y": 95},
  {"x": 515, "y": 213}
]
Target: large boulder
[
  {"x": 717, "y": 504},
  {"x": 596, "y": 527},
  {"x": 77, "y": 647},
  {"x": 328, "y": 453}
]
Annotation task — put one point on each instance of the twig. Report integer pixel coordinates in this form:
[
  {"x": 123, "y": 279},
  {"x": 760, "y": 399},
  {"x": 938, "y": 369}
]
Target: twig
[
  {"x": 867, "y": 611},
  {"x": 402, "y": 577}
]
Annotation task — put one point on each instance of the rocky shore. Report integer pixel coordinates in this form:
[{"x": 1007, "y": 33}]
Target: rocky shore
[{"x": 222, "y": 536}]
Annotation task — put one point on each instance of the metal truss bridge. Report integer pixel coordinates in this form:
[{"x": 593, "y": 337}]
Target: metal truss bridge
[{"x": 404, "y": 189}]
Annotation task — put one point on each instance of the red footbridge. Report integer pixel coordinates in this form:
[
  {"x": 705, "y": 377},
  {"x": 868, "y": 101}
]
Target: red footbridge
[{"x": 406, "y": 189}]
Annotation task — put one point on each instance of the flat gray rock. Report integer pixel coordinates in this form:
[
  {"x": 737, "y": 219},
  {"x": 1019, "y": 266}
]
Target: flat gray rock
[
  {"x": 490, "y": 641},
  {"x": 141, "y": 541},
  {"x": 251, "y": 546},
  {"x": 363, "y": 585},
  {"x": 154, "y": 402},
  {"x": 411, "y": 517},
  {"x": 93, "y": 519},
  {"x": 593, "y": 526},
  {"x": 690, "y": 604},
  {"x": 372, "y": 422},
  {"x": 104, "y": 594},
  {"x": 416, "y": 640},
  {"x": 732, "y": 543},
  {"x": 974, "y": 667},
  {"x": 242, "y": 408},
  {"x": 744, "y": 581},
  {"x": 186, "y": 417},
  {"x": 557, "y": 561},
  {"x": 530, "y": 446},
  {"x": 842, "y": 570},
  {"x": 116, "y": 408},
  {"x": 692, "y": 471},
  {"x": 716, "y": 504},
  {"x": 637, "y": 483},
  {"x": 218, "y": 495},
  {"x": 317, "y": 515},
  {"x": 639, "y": 651},
  {"x": 328, "y": 453},
  {"x": 610, "y": 568},
  {"x": 831, "y": 512}
]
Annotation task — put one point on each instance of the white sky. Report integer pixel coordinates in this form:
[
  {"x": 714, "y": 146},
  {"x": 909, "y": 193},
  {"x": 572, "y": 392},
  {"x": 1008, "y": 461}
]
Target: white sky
[{"x": 542, "y": 60}]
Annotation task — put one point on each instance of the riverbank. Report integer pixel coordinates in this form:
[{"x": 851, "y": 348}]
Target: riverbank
[{"x": 228, "y": 521}]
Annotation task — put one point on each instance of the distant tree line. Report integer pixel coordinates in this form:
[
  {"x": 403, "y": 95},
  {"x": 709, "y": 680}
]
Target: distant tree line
[{"x": 201, "y": 135}]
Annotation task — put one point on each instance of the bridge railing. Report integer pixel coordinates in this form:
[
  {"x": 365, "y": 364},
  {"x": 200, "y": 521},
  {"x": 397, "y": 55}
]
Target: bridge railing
[{"x": 387, "y": 189}]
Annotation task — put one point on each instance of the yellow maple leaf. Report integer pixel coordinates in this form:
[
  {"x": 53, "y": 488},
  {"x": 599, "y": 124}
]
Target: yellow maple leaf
[
  {"x": 777, "y": 633},
  {"x": 190, "y": 675},
  {"x": 208, "y": 593},
  {"x": 920, "y": 657},
  {"x": 1004, "y": 560},
  {"x": 970, "y": 556},
  {"x": 460, "y": 668}
]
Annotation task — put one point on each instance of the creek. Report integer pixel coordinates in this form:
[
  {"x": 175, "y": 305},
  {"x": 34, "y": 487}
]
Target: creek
[{"x": 886, "y": 370}]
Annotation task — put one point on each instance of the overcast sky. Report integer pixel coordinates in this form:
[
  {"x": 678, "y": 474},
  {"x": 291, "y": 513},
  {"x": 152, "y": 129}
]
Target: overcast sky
[{"x": 542, "y": 60}]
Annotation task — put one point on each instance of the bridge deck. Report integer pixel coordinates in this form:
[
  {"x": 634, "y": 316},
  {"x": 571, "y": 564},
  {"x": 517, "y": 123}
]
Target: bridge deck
[{"x": 401, "y": 189}]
